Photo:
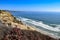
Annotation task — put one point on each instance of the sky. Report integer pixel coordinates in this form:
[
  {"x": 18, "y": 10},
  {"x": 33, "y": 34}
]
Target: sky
[{"x": 30, "y": 5}]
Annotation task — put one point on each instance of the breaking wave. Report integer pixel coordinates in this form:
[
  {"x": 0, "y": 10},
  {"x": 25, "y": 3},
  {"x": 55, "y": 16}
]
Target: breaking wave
[{"x": 41, "y": 24}]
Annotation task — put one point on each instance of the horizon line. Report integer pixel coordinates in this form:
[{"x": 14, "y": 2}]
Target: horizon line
[{"x": 30, "y": 10}]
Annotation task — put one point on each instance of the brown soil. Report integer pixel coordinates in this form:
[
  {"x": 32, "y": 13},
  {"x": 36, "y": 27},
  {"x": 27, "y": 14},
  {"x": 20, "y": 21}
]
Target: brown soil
[{"x": 18, "y": 34}]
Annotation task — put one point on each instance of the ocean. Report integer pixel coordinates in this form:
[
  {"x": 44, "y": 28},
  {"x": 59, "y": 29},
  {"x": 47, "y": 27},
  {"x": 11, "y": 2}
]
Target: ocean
[
  {"x": 46, "y": 17},
  {"x": 48, "y": 21}
]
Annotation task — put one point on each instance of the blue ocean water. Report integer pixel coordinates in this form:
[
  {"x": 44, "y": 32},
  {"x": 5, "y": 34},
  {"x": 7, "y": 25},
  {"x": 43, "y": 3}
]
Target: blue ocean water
[{"x": 46, "y": 17}]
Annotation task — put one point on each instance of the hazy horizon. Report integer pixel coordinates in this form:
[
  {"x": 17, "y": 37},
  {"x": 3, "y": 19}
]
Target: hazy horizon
[{"x": 31, "y": 5}]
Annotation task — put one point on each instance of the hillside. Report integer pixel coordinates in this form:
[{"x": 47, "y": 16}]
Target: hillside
[
  {"x": 7, "y": 17},
  {"x": 11, "y": 27},
  {"x": 9, "y": 20}
]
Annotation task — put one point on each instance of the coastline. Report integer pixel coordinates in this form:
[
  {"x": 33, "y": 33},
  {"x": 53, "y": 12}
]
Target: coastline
[
  {"x": 9, "y": 22},
  {"x": 42, "y": 31}
]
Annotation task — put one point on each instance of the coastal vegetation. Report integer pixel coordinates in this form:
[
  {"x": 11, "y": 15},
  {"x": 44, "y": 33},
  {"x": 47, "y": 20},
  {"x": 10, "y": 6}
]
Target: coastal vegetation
[{"x": 18, "y": 34}]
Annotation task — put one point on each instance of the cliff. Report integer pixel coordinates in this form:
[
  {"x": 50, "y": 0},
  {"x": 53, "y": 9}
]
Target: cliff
[
  {"x": 9, "y": 20},
  {"x": 8, "y": 23},
  {"x": 7, "y": 17}
]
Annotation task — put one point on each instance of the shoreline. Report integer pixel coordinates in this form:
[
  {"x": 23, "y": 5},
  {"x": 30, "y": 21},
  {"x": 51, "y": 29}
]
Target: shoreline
[
  {"x": 42, "y": 32},
  {"x": 9, "y": 21}
]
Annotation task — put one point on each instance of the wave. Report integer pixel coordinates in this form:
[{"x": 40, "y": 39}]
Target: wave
[{"x": 41, "y": 24}]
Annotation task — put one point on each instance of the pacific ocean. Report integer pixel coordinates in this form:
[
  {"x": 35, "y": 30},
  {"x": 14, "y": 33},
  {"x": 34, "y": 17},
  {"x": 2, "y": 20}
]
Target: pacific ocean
[{"x": 46, "y": 17}]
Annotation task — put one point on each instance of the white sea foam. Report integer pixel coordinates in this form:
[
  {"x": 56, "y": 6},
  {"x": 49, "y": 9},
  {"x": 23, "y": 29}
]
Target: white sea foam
[{"x": 41, "y": 24}]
